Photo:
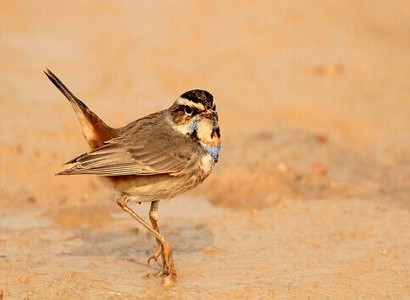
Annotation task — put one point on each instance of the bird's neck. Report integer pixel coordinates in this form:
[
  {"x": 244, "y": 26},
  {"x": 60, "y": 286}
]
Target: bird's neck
[{"x": 208, "y": 139}]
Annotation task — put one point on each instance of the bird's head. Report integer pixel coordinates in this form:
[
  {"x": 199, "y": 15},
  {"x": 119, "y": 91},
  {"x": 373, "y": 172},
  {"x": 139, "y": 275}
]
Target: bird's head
[{"x": 194, "y": 114}]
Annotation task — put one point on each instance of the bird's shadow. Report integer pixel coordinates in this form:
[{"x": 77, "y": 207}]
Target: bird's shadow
[{"x": 185, "y": 237}]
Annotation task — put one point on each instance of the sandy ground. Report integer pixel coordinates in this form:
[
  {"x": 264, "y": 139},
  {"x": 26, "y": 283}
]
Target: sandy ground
[{"x": 310, "y": 199}]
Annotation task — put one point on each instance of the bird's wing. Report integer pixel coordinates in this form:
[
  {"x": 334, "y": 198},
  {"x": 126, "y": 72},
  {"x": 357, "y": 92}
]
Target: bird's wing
[{"x": 133, "y": 154}]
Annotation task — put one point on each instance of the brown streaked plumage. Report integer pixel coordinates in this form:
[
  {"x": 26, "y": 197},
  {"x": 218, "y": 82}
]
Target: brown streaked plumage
[{"x": 156, "y": 157}]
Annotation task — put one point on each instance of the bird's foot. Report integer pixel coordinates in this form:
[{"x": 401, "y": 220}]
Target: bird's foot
[
  {"x": 168, "y": 269},
  {"x": 167, "y": 279},
  {"x": 154, "y": 257},
  {"x": 156, "y": 274}
]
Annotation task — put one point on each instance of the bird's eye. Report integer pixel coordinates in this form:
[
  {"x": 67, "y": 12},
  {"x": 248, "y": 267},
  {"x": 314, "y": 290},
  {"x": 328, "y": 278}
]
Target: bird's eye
[{"x": 188, "y": 110}]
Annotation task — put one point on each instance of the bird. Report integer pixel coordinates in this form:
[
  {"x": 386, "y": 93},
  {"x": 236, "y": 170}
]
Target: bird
[{"x": 154, "y": 158}]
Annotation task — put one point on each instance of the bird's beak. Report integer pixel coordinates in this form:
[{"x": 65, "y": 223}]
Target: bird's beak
[{"x": 210, "y": 114}]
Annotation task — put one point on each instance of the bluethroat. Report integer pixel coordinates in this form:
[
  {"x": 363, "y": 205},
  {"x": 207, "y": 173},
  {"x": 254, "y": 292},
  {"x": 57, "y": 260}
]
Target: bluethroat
[{"x": 153, "y": 158}]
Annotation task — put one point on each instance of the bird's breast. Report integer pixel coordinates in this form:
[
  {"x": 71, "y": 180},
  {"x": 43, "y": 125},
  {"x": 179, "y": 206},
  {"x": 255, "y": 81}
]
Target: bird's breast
[{"x": 207, "y": 163}]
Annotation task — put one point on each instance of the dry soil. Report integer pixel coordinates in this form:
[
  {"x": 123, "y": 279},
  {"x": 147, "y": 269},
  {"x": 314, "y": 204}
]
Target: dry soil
[{"x": 310, "y": 199}]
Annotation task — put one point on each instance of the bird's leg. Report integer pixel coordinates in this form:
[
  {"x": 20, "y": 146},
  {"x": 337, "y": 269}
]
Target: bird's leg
[
  {"x": 169, "y": 267},
  {"x": 153, "y": 216}
]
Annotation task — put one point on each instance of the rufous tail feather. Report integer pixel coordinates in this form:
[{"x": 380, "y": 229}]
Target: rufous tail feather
[{"x": 95, "y": 130}]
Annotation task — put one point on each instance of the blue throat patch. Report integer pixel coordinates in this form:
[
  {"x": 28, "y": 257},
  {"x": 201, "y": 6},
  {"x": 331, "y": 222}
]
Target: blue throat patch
[{"x": 212, "y": 150}]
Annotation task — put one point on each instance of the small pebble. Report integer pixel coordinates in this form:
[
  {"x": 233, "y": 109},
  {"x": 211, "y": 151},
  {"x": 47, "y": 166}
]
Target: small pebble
[
  {"x": 319, "y": 169},
  {"x": 31, "y": 199}
]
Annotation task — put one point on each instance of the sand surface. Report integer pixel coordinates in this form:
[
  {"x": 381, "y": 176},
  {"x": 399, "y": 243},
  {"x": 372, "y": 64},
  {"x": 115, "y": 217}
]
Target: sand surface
[{"x": 311, "y": 197}]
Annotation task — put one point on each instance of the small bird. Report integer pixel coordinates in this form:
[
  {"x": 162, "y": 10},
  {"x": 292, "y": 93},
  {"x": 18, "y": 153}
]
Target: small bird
[{"x": 153, "y": 158}]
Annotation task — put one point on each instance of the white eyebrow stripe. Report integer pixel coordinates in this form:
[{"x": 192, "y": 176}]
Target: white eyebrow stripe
[{"x": 183, "y": 101}]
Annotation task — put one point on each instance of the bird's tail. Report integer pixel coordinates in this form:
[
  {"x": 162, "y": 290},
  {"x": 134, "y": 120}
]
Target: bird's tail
[{"x": 95, "y": 130}]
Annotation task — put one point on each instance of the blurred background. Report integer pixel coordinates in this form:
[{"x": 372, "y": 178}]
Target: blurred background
[{"x": 313, "y": 100}]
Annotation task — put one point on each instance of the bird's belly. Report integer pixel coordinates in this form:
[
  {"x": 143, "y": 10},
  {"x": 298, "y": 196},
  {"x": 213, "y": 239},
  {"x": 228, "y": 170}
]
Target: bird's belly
[{"x": 154, "y": 187}]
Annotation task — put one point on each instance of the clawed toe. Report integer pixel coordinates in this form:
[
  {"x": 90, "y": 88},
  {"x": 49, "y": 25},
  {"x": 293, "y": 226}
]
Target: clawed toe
[
  {"x": 149, "y": 275},
  {"x": 155, "y": 256},
  {"x": 168, "y": 268},
  {"x": 164, "y": 267},
  {"x": 167, "y": 278}
]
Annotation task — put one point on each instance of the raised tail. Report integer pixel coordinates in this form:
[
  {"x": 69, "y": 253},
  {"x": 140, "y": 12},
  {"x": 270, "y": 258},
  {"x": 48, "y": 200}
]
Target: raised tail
[{"x": 96, "y": 132}]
